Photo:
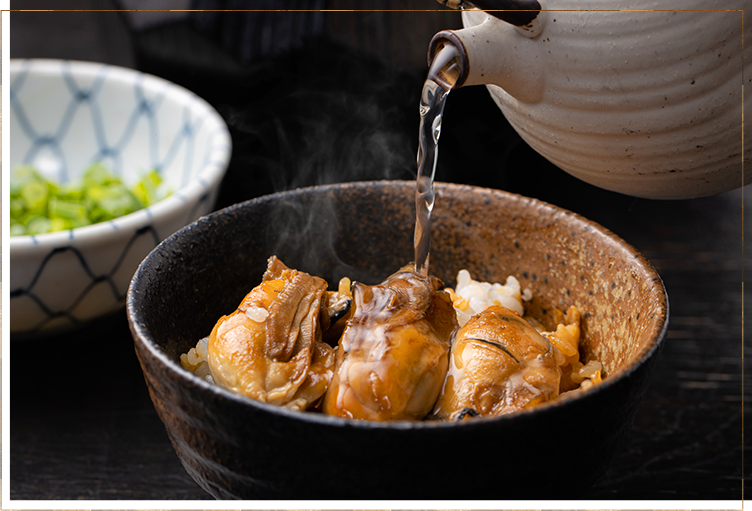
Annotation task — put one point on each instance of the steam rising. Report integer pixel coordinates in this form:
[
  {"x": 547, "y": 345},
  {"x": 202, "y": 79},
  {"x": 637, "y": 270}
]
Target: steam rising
[{"x": 322, "y": 115}]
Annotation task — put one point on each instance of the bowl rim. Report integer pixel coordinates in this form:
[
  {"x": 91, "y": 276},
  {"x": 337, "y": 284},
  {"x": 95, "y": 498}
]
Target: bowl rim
[
  {"x": 205, "y": 179},
  {"x": 143, "y": 340}
]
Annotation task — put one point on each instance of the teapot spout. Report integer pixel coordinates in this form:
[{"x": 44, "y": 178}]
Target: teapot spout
[{"x": 493, "y": 53}]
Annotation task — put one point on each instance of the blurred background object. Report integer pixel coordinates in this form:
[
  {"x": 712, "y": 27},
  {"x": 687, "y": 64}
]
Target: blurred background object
[
  {"x": 221, "y": 37},
  {"x": 92, "y": 36},
  {"x": 361, "y": 73},
  {"x": 341, "y": 104}
]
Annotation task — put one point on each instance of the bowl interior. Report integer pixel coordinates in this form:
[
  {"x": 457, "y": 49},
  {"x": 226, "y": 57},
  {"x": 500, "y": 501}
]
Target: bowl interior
[
  {"x": 365, "y": 230},
  {"x": 66, "y": 115}
]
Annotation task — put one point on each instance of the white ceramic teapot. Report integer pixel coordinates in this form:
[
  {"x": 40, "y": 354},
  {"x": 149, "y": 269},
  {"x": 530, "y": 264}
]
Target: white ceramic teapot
[{"x": 625, "y": 95}]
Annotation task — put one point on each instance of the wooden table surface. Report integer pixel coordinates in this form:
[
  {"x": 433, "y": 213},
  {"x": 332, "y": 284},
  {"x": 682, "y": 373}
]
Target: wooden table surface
[{"x": 82, "y": 425}]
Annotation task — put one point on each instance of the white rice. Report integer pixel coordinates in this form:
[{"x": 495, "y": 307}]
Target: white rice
[
  {"x": 196, "y": 360},
  {"x": 472, "y": 297}
]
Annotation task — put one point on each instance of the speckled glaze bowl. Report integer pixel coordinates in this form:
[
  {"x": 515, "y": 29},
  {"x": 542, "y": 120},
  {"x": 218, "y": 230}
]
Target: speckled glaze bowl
[{"x": 235, "y": 447}]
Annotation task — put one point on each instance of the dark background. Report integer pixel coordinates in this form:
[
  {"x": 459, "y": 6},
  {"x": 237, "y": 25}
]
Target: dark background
[{"x": 334, "y": 97}]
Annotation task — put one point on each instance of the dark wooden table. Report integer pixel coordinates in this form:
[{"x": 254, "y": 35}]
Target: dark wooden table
[{"x": 82, "y": 425}]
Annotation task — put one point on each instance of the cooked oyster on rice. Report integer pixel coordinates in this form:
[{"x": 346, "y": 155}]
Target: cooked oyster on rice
[
  {"x": 392, "y": 357},
  {"x": 498, "y": 364},
  {"x": 394, "y": 350},
  {"x": 270, "y": 348}
]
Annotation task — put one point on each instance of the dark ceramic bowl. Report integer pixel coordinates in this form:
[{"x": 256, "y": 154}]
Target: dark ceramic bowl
[{"x": 235, "y": 447}]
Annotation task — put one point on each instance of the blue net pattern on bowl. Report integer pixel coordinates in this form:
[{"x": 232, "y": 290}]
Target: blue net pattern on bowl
[{"x": 50, "y": 138}]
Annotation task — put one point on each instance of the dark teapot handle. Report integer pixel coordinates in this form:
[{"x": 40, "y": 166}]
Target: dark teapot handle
[{"x": 516, "y": 12}]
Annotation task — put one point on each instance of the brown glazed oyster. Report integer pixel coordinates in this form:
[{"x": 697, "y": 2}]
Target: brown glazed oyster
[{"x": 392, "y": 356}]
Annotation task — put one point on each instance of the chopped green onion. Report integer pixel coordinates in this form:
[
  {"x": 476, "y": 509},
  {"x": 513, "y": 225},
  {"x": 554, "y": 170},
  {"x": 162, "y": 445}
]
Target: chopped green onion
[{"x": 38, "y": 205}]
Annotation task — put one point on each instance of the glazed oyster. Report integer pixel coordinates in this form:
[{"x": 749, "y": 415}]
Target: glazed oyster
[
  {"x": 270, "y": 348},
  {"x": 499, "y": 364},
  {"x": 393, "y": 354}
]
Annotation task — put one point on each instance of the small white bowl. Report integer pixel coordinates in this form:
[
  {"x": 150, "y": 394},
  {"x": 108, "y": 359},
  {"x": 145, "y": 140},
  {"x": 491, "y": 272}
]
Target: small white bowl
[{"x": 66, "y": 115}]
